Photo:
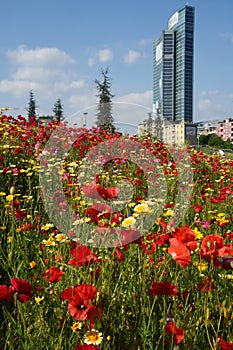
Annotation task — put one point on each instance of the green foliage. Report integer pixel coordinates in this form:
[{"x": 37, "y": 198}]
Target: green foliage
[
  {"x": 31, "y": 105},
  {"x": 58, "y": 110},
  {"x": 213, "y": 140},
  {"x": 104, "y": 114}
]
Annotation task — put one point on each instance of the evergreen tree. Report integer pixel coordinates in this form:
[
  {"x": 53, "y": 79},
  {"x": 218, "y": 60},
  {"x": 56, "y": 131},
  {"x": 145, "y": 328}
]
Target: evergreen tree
[
  {"x": 104, "y": 114},
  {"x": 31, "y": 105},
  {"x": 58, "y": 110}
]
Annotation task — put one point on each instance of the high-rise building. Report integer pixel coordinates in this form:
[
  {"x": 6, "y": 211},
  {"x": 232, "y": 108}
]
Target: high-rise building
[{"x": 173, "y": 68}]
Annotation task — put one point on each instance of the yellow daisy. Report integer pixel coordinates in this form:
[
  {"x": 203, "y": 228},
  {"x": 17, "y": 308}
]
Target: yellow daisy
[{"x": 93, "y": 337}]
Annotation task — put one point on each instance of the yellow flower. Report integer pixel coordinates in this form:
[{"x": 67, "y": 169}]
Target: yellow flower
[
  {"x": 39, "y": 299},
  {"x": 197, "y": 233},
  {"x": 229, "y": 277},
  {"x": 48, "y": 242},
  {"x": 46, "y": 227},
  {"x": 200, "y": 265},
  {"x": 32, "y": 264},
  {"x": 61, "y": 238},
  {"x": 76, "y": 326},
  {"x": 93, "y": 337},
  {"x": 169, "y": 212},
  {"x": 10, "y": 197},
  {"x": 130, "y": 221},
  {"x": 140, "y": 208}
]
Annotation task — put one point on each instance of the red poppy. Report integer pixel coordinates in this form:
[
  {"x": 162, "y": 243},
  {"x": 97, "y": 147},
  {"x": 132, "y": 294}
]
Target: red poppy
[
  {"x": 180, "y": 253},
  {"x": 82, "y": 256},
  {"x": 87, "y": 347},
  {"x": 210, "y": 247},
  {"x": 161, "y": 288},
  {"x": 186, "y": 236},
  {"x": 85, "y": 291},
  {"x": 99, "y": 211},
  {"x": 20, "y": 214},
  {"x": 130, "y": 236},
  {"x": 23, "y": 288},
  {"x": 6, "y": 292},
  {"x": 109, "y": 193},
  {"x": 119, "y": 254},
  {"x": 92, "y": 190},
  {"x": 53, "y": 274},
  {"x": 226, "y": 345},
  {"x": 161, "y": 239},
  {"x": 206, "y": 286},
  {"x": 176, "y": 333},
  {"x": 226, "y": 250},
  {"x": 79, "y": 302},
  {"x": 198, "y": 208}
]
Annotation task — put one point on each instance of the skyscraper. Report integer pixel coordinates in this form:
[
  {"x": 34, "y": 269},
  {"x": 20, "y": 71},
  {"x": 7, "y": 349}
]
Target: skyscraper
[{"x": 173, "y": 68}]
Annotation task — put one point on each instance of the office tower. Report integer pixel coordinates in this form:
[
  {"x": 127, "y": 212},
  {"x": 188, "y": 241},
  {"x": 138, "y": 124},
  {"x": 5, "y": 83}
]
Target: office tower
[{"x": 173, "y": 68}]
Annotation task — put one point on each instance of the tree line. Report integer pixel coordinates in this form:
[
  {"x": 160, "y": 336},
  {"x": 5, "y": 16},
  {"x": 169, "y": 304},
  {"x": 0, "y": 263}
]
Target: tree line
[{"x": 104, "y": 116}]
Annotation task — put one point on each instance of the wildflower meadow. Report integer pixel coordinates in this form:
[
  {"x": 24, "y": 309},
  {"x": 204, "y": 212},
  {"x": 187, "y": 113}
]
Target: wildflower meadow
[{"x": 106, "y": 248}]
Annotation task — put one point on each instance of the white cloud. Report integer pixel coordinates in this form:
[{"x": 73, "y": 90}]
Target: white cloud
[
  {"x": 133, "y": 108},
  {"x": 105, "y": 55},
  {"x": 43, "y": 70},
  {"x": 91, "y": 62},
  {"x": 17, "y": 88},
  {"x": 208, "y": 108},
  {"x": 204, "y": 104},
  {"x": 209, "y": 92},
  {"x": 145, "y": 42},
  {"x": 132, "y": 56},
  {"x": 144, "y": 99},
  {"x": 45, "y": 56},
  {"x": 77, "y": 84},
  {"x": 227, "y": 36}
]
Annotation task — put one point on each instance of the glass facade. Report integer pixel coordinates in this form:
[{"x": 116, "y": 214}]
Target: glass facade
[{"x": 173, "y": 68}]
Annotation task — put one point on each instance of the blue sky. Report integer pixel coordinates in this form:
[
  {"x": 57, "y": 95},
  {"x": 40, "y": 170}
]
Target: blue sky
[{"x": 58, "y": 47}]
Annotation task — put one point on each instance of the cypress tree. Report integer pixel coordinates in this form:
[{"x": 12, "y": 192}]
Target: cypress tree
[{"x": 104, "y": 113}]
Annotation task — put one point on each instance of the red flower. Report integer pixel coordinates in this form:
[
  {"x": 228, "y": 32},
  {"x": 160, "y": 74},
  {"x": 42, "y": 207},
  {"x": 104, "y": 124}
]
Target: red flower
[
  {"x": 226, "y": 250},
  {"x": 20, "y": 214},
  {"x": 23, "y": 288},
  {"x": 226, "y": 345},
  {"x": 161, "y": 288},
  {"x": 198, "y": 208},
  {"x": 186, "y": 236},
  {"x": 119, "y": 254},
  {"x": 130, "y": 236},
  {"x": 210, "y": 247},
  {"x": 6, "y": 292},
  {"x": 206, "y": 286},
  {"x": 92, "y": 190},
  {"x": 177, "y": 333},
  {"x": 53, "y": 274},
  {"x": 87, "y": 347},
  {"x": 180, "y": 253},
  {"x": 82, "y": 256},
  {"x": 79, "y": 302},
  {"x": 99, "y": 211},
  {"x": 109, "y": 193}
]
